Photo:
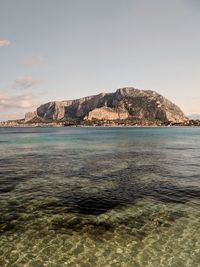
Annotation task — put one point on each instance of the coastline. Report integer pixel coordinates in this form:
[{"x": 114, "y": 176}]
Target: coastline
[
  {"x": 98, "y": 123},
  {"x": 99, "y": 126}
]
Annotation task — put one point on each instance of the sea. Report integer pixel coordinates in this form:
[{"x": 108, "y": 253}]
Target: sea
[{"x": 100, "y": 196}]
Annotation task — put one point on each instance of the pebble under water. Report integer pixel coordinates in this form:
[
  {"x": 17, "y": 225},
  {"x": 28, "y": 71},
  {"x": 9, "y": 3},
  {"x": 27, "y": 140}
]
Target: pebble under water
[{"x": 100, "y": 197}]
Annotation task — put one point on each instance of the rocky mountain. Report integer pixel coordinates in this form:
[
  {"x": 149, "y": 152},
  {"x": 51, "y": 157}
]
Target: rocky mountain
[{"x": 123, "y": 104}]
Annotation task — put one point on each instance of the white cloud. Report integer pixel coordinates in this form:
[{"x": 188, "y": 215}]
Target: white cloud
[
  {"x": 6, "y": 115},
  {"x": 26, "y": 83},
  {"x": 33, "y": 61},
  {"x": 21, "y": 101},
  {"x": 4, "y": 42},
  {"x": 15, "y": 107}
]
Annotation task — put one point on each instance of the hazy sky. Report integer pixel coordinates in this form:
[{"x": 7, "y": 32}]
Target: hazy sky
[{"x": 65, "y": 49}]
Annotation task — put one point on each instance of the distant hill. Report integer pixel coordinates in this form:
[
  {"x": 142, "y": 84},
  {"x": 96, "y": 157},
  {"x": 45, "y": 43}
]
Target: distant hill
[
  {"x": 124, "y": 103},
  {"x": 194, "y": 117}
]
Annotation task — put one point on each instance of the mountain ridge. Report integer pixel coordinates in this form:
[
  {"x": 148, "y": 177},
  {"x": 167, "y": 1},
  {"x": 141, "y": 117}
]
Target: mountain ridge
[{"x": 126, "y": 102}]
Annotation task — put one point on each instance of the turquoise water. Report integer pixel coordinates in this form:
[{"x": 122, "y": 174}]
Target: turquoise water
[{"x": 100, "y": 197}]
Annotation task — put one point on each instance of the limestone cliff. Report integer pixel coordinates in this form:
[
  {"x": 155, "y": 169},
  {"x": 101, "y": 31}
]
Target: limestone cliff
[
  {"x": 30, "y": 115},
  {"x": 106, "y": 113},
  {"x": 124, "y": 103}
]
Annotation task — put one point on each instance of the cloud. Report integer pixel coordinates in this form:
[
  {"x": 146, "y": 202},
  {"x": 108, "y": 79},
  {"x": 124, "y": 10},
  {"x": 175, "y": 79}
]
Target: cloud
[
  {"x": 5, "y": 115},
  {"x": 26, "y": 83},
  {"x": 4, "y": 42},
  {"x": 33, "y": 61},
  {"x": 15, "y": 107},
  {"x": 21, "y": 101}
]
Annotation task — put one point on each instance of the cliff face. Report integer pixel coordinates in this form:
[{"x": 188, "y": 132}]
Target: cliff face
[
  {"x": 125, "y": 102},
  {"x": 106, "y": 113}
]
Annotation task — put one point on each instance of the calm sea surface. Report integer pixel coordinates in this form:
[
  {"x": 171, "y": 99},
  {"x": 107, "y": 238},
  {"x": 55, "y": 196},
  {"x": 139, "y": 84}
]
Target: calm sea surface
[{"x": 100, "y": 197}]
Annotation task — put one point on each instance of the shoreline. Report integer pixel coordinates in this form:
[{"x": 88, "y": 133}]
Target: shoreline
[
  {"x": 136, "y": 123},
  {"x": 100, "y": 126}
]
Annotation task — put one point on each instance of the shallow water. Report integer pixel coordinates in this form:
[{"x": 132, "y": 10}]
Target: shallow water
[{"x": 100, "y": 197}]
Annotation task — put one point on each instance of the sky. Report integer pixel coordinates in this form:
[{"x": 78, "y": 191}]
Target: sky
[{"x": 66, "y": 49}]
